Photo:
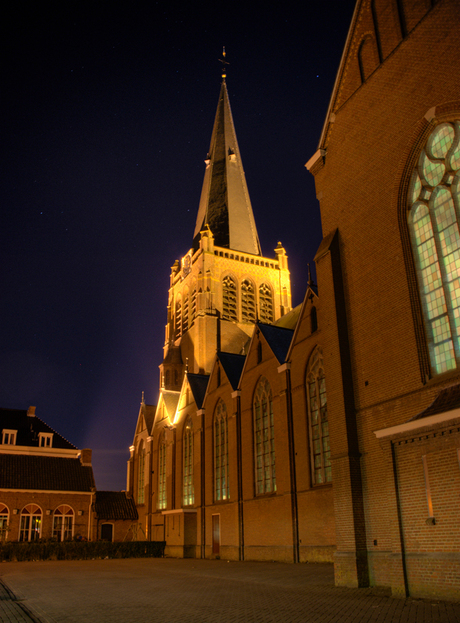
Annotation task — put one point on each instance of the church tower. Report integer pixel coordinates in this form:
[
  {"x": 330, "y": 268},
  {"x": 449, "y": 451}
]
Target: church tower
[{"x": 223, "y": 284}]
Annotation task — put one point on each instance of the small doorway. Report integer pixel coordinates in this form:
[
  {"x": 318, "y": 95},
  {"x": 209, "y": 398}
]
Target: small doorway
[
  {"x": 216, "y": 535},
  {"x": 107, "y": 532}
]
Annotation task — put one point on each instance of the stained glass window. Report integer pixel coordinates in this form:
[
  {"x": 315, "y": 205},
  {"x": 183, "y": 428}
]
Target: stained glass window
[
  {"x": 161, "y": 501},
  {"x": 264, "y": 439},
  {"x": 189, "y": 495},
  {"x": 221, "y": 484},
  {"x": 320, "y": 453},
  {"x": 433, "y": 216}
]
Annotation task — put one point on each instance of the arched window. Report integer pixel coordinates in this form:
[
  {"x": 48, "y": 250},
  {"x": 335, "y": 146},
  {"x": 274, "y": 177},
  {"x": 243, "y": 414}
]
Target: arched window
[
  {"x": 229, "y": 307},
  {"x": 313, "y": 319},
  {"x": 264, "y": 439},
  {"x": 161, "y": 501},
  {"x": 63, "y": 522},
  {"x": 248, "y": 301},
  {"x": 4, "y": 515},
  {"x": 178, "y": 318},
  {"x": 265, "y": 303},
  {"x": 141, "y": 474},
  {"x": 221, "y": 484},
  {"x": 189, "y": 495},
  {"x": 31, "y": 523},
  {"x": 433, "y": 217},
  {"x": 318, "y": 424},
  {"x": 185, "y": 312}
]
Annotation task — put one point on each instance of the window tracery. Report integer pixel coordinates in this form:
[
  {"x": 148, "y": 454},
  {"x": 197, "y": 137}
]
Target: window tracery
[
  {"x": 320, "y": 453},
  {"x": 221, "y": 484},
  {"x": 433, "y": 218},
  {"x": 264, "y": 439},
  {"x": 248, "y": 301},
  {"x": 189, "y": 494},
  {"x": 161, "y": 502}
]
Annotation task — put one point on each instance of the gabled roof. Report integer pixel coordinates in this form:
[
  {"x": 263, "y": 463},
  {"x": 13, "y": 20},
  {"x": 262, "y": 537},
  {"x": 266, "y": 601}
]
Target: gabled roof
[
  {"x": 278, "y": 338},
  {"x": 225, "y": 205},
  {"x": 447, "y": 400},
  {"x": 114, "y": 505},
  {"x": 149, "y": 416},
  {"x": 198, "y": 384},
  {"x": 28, "y": 428},
  {"x": 46, "y": 473},
  {"x": 233, "y": 367}
]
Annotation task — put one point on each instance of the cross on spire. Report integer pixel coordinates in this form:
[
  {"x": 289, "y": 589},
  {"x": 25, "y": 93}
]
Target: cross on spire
[{"x": 224, "y": 62}]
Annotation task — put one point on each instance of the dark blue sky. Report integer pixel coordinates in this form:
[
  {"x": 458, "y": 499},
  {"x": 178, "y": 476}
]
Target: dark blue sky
[{"x": 107, "y": 112}]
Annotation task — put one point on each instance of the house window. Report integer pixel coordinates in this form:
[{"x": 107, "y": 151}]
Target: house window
[
  {"x": 248, "y": 301},
  {"x": 189, "y": 496},
  {"x": 9, "y": 437},
  {"x": 433, "y": 217},
  {"x": 264, "y": 441},
  {"x": 31, "y": 523},
  {"x": 320, "y": 453},
  {"x": 63, "y": 523},
  {"x": 4, "y": 514},
  {"x": 229, "y": 309},
  {"x": 265, "y": 303},
  {"x": 162, "y": 472},
  {"x": 45, "y": 440},
  {"x": 221, "y": 484},
  {"x": 141, "y": 474}
]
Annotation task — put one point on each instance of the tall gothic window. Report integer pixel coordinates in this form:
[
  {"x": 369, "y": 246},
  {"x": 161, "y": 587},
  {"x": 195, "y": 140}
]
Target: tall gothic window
[
  {"x": 265, "y": 303},
  {"x": 264, "y": 441},
  {"x": 229, "y": 306},
  {"x": 248, "y": 301},
  {"x": 221, "y": 484},
  {"x": 141, "y": 474},
  {"x": 161, "y": 500},
  {"x": 433, "y": 217},
  {"x": 63, "y": 522},
  {"x": 320, "y": 453},
  {"x": 189, "y": 495},
  {"x": 31, "y": 523},
  {"x": 178, "y": 318}
]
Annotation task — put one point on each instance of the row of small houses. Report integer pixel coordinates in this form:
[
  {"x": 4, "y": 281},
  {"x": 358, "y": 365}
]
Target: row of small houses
[{"x": 47, "y": 487}]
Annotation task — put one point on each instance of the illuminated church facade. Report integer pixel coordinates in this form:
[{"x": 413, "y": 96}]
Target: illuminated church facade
[{"x": 331, "y": 431}]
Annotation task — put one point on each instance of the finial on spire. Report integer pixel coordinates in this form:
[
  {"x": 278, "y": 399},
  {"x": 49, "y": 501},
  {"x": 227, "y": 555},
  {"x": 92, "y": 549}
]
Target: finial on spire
[
  {"x": 142, "y": 400},
  {"x": 224, "y": 62}
]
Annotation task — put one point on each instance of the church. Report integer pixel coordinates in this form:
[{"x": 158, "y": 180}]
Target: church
[{"x": 328, "y": 432}]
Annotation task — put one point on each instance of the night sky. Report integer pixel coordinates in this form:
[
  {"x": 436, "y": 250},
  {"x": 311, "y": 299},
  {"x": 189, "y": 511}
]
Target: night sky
[{"x": 107, "y": 113}]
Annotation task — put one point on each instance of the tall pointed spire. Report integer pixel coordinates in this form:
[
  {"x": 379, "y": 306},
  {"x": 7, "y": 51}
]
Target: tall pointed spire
[{"x": 225, "y": 205}]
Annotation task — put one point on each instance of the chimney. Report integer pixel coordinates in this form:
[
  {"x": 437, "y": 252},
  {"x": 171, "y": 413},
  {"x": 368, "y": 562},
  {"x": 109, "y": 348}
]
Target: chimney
[
  {"x": 31, "y": 411},
  {"x": 85, "y": 456}
]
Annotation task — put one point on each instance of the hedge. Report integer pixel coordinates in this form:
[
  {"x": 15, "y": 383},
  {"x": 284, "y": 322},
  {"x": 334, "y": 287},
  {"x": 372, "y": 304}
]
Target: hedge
[{"x": 77, "y": 550}]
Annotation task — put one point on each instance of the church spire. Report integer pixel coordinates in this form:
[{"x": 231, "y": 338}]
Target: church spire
[{"x": 225, "y": 205}]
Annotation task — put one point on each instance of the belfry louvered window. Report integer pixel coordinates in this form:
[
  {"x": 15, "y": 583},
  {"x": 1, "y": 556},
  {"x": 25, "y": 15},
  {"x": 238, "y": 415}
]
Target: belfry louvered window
[
  {"x": 264, "y": 439},
  {"x": 433, "y": 217},
  {"x": 248, "y": 301},
  {"x": 178, "y": 318},
  {"x": 265, "y": 303},
  {"x": 185, "y": 313},
  {"x": 193, "y": 304},
  {"x": 221, "y": 486},
  {"x": 229, "y": 301}
]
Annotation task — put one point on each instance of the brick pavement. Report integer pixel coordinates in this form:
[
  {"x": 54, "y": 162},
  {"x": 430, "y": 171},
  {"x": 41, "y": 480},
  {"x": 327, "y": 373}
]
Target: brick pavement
[{"x": 201, "y": 591}]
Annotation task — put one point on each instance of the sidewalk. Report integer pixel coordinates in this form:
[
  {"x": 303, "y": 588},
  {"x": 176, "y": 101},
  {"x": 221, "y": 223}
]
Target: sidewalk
[{"x": 168, "y": 590}]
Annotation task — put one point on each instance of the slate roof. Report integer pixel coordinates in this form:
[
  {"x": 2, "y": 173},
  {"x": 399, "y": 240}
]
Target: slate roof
[
  {"x": 48, "y": 473},
  {"x": 149, "y": 416},
  {"x": 115, "y": 505},
  {"x": 198, "y": 384},
  {"x": 278, "y": 338},
  {"x": 170, "y": 398},
  {"x": 448, "y": 399},
  {"x": 289, "y": 320},
  {"x": 29, "y": 427},
  {"x": 233, "y": 366}
]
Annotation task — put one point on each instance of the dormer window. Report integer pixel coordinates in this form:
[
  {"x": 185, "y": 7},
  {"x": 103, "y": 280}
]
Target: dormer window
[
  {"x": 45, "y": 440},
  {"x": 9, "y": 437}
]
